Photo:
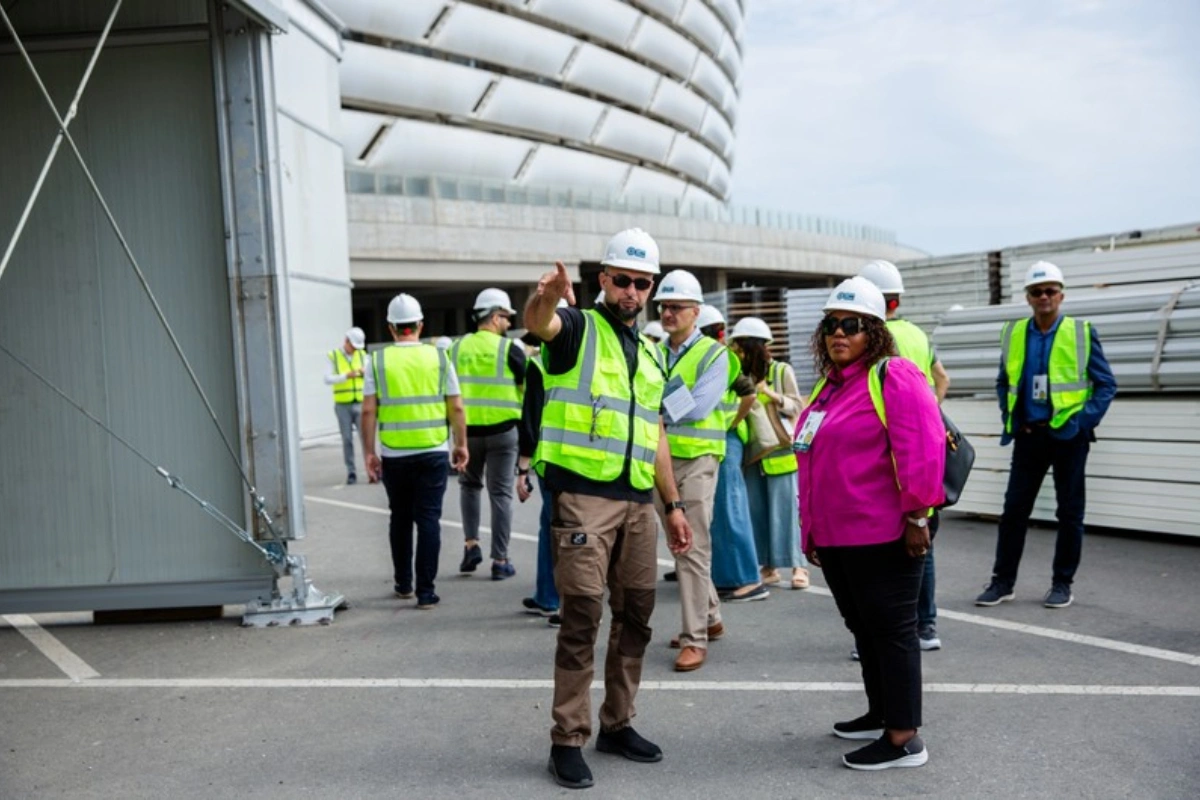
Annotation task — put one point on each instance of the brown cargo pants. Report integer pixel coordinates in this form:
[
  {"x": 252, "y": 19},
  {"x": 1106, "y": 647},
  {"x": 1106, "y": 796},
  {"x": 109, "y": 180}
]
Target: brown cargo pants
[{"x": 599, "y": 542}]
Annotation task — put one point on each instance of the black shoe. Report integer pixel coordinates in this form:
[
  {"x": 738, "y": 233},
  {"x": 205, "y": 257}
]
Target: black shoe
[
  {"x": 995, "y": 594},
  {"x": 865, "y": 727},
  {"x": 554, "y": 620},
  {"x": 351, "y": 479},
  {"x": 626, "y": 742},
  {"x": 1059, "y": 596},
  {"x": 532, "y": 607},
  {"x": 401, "y": 591},
  {"x": 759, "y": 592},
  {"x": 472, "y": 558},
  {"x": 671, "y": 577},
  {"x": 928, "y": 637},
  {"x": 882, "y": 754},
  {"x": 428, "y": 601},
  {"x": 568, "y": 767}
]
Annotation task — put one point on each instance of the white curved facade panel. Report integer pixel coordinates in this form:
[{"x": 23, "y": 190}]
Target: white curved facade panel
[
  {"x": 551, "y": 112},
  {"x": 700, "y": 21},
  {"x": 661, "y": 45},
  {"x": 719, "y": 177},
  {"x": 503, "y": 39},
  {"x": 709, "y": 78},
  {"x": 730, "y": 58},
  {"x": 644, "y": 182},
  {"x": 604, "y": 72},
  {"x": 731, "y": 14},
  {"x": 717, "y": 133},
  {"x": 667, "y": 8},
  {"x": 635, "y": 135},
  {"x": 372, "y": 75},
  {"x": 691, "y": 157},
  {"x": 357, "y": 129},
  {"x": 610, "y": 20},
  {"x": 421, "y": 148},
  {"x": 379, "y": 17},
  {"x": 679, "y": 105},
  {"x": 559, "y": 166}
]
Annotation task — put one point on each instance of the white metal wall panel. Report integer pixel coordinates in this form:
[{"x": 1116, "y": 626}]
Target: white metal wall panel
[
  {"x": 358, "y": 128},
  {"x": 649, "y": 183},
  {"x": 307, "y": 80},
  {"x": 699, "y": 20},
  {"x": 1149, "y": 263},
  {"x": 730, "y": 59},
  {"x": 696, "y": 197},
  {"x": 635, "y": 135},
  {"x": 610, "y": 20},
  {"x": 657, "y": 43},
  {"x": 423, "y": 148},
  {"x": 394, "y": 79},
  {"x": 313, "y": 198},
  {"x": 606, "y": 73},
  {"x": 716, "y": 131},
  {"x": 503, "y": 39},
  {"x": 669, "y": 9},
  {"x": 678, "y": 104},
  {"x": 729, "y": 12},
  {"x": 323, "y": 313},
  {"x": 521, "y": 104},
  {"x": 719, "y": 178},
  {"x": 384, "y": 18},
  {"x": 709, "y": 78},
  {"x": 691, "y": 157},
  {"x": 558, "y": 166}
]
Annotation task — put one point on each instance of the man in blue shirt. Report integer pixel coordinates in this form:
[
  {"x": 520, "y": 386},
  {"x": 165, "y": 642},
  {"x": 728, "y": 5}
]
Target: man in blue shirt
[{"x": 1054, "y": 388}]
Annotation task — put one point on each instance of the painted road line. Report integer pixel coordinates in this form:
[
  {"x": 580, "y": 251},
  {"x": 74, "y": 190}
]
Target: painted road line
[
  {"x": 71, "y": 665},
  {"x": 973, "y": 619},
  {"x": 790, "y": 687}
]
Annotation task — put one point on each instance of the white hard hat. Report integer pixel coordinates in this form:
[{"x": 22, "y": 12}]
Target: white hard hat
[
  {"x": 443, "y": 343},
  {"x": 1043, "y": 272},
  {"x": 654, "y": 330},
  {"x": 632, "y": 249},
  {"x": 358, "y": 339},
  {"x": 857, "y": 294},
  {"x": 494, "y": 298},
  {"x": 679, "y": 284},
  {"x": 709, "y": 315},
  {"x": 884, "y": 275},
  {"x": 404, "y": 308},
  {"x": 751, "y": 328}
]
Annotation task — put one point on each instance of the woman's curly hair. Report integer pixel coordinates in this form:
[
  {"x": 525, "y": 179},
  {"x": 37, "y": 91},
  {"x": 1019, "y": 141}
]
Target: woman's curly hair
[{"x": 879, "y": 344}]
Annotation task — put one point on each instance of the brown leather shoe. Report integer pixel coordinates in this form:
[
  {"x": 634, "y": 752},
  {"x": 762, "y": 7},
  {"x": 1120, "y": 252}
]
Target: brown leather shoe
[
  {"x": 714, "y": 632},
  {"x": 690, "y": 658}
]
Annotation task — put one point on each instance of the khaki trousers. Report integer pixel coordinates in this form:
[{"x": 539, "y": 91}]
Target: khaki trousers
[
  {"x": 696, "y": 480},
  {"x": 598, "y": 543}
]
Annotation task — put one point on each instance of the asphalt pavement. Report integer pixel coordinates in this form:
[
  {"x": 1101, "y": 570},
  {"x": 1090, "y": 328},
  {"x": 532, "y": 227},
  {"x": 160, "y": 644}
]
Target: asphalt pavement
[{"x": 1098, "y": 700}]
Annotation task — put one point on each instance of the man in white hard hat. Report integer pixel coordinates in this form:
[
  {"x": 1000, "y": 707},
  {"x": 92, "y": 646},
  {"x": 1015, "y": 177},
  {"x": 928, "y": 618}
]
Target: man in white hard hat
[
  {"x": 654, "y": 329},
  {"x": 913, "y": 344},
  {"x": 601, "y": 454},
  {"x": 412, "y": 391},
  {"x": 344, "y": 372},
  {"x": 697, "y": 377},
  {"x": 491, "y": 371},
  {"x": 1054, "y": 387}
]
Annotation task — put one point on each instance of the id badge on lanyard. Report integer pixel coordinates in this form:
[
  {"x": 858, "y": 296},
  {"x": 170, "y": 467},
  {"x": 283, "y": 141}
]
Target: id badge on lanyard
[{"x": 808, "y": 431}]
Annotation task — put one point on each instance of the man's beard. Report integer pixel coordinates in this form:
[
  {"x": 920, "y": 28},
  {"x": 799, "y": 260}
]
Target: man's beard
[{"x": 625, "y": 315}]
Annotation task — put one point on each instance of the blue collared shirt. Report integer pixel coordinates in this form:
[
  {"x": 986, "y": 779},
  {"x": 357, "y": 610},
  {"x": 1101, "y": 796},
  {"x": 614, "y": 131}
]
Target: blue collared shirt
[{"x": 710, "y": 384}]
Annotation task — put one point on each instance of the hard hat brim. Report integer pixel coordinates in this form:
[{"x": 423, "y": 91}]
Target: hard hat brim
[{"x": 635, "y": 266}]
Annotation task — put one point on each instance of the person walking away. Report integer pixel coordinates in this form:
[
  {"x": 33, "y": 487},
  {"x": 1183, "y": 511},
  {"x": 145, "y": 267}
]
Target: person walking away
[
  {"x": 697, "y": 376},
  {"x": 411, "y": 390},
  {"x": 1054, "y": 387},
  {"x": 913, "y": 344},
  {"x": 602, "y": 453},
  {"x": 491, "y": 371},
  {"x": 344, "y": 373},
  {"x": 769, "y": 474},
  {"x": 871, "y": 451}
]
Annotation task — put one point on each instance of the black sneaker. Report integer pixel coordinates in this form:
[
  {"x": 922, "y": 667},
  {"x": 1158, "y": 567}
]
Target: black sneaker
[
  {"x": 427, "y": 601},
  {"x": 882, "y": 754},
  {"x": 865, "y": 727},
  {"x": 404, "y": 592},
  {"x": 568, "y": 767},
  {"x": 554, "y": 620},
  {"x": 472, "y": 558},
  {"x": 928, "y": 636},
  {"x": 626, "y": 742},
  {"x": 671, "y": 577},
  {"x": 995, "y": 594},
  {"x": 502, "y": 571},
  {"x": 351, "y": 479},
  {"x": 759, "y": 592},
  {"x": 1059, "y": 596},
  {"x": 532, "y": 607}
]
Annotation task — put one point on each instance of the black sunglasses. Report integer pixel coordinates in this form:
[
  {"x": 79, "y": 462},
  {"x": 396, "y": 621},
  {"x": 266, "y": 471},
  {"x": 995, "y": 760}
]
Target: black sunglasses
[
  {"x": 622, "y": 281},
  {"x": 850, "y": 325},
  {"x": 1047, "y": 291}
]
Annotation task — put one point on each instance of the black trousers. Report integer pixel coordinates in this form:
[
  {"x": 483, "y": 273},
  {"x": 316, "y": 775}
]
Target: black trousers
[
  {"x": 875, "y": 587},
  {"x": 415, "y": 485}
]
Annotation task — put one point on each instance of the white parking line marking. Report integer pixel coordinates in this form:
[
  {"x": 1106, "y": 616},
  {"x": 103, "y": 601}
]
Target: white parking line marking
[
  {"x": 71, "y": 665},
  {"x": 546, "y": 685},
  {"x": 974, "y": 619}
]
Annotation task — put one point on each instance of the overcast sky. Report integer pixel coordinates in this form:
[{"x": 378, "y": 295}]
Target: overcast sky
[{"x": 973, "y": 125}]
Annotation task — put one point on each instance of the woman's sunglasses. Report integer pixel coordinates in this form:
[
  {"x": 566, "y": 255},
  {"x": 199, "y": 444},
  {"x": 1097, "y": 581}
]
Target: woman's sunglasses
[
  {"x": 1047, "y": 291},
  {"x": 850, "y": 325},
  {"x": 622, "y": 281}
]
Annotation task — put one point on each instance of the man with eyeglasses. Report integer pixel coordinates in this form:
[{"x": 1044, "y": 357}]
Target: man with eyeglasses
[
  {"x": 1054, "y": 388},
  {"x": 601, "y": 454},
  {"x": 491, "y": 372}
]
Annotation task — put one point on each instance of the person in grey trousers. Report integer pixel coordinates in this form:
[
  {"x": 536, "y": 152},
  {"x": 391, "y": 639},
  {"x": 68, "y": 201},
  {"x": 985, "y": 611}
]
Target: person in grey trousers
[{"x": 344, "y": 372}]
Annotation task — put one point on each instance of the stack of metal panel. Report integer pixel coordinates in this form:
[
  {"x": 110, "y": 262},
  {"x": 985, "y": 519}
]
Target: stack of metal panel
[
  {"x": 803, "y": 315},
  {"x": 933, "y": 285},
  {"x": 1124, "y": 266},
  {"x": 767, "y": 303}
]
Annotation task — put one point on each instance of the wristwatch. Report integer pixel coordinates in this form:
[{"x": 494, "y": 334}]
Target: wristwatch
[
  {"x": 522, "y": 471},
  {"x": 669, "y": 507},
  {"x": 920, "y": 522}
]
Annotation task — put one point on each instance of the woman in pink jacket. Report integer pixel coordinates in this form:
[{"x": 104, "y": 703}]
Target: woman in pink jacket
[{"x": 865, "y": 496}]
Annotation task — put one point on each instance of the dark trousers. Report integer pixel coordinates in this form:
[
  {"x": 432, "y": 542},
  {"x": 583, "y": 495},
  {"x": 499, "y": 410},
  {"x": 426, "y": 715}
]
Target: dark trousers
[
  {"x": 926, "y": 607},
  {"x": 1034, "y": 453},
  {"x": 875, "y": 587},
  {"x": 415, "y": 485}
]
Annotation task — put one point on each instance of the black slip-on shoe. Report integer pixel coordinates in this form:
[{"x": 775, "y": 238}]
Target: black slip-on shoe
[
  {"x": 626, "y": 742},
  {"x": 865, "y": 727},
  {"x": 472, "y": 558},
  {"x": 882, "y": 754},
  {"x": 568, "y": 767}
]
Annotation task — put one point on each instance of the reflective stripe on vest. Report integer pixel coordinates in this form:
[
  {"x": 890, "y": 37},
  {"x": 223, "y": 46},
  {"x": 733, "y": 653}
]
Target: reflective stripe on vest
[
  {"x": 730, "y": 401},
  {"x": 913, "y": 344},
  {"x": 1070, "y": 387},
  {"x": 596, "y": 417},
  {"x": 706, "y": 436},
  {"x": 782, "y": 461},
  {"x": 350, "y": 391},
  {"x": 411, "y": 390},
  {"x": 489, "y": 389}
]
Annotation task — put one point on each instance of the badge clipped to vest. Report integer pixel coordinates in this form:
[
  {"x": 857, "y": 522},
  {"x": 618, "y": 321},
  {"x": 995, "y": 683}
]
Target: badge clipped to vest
[
  {"x": 1041, "y": 388},
  {"x": 677, "y": 400},
  {"x": 808, "y": 431}
]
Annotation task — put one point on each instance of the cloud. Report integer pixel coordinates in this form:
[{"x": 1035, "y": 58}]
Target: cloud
[{"x": 973, "y": 125}]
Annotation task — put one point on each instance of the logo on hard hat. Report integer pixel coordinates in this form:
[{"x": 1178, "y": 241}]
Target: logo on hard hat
[
  {"x": 845, "y": 295},
  {"x": 1041, "y": 273},
  {"x": 634, "y": 251}
]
